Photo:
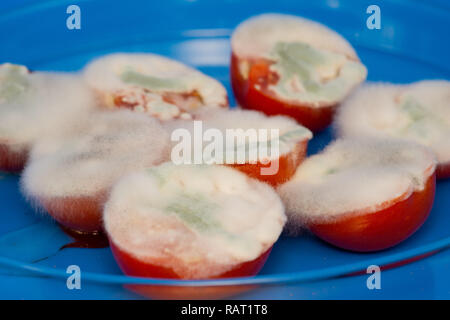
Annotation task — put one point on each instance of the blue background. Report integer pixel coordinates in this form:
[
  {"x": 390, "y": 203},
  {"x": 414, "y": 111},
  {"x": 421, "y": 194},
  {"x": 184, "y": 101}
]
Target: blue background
[{"x": 412, "y": 44}]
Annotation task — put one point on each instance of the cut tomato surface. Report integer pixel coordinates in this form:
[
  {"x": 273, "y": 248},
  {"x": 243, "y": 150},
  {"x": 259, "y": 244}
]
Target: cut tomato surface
[
  {"x": 362, "y": 195},
  {"x": 153, "y": 84},
  {"x": 253, "y": 93},
  {"x": 185, "y": 222},
  {"x": 285, "y": 64},
  {"x": 419, "y": 112},
  {"x": 30, "y": 109},
  {"x": 382, "y": 229},
  {"x": 179, "y": 104},
  {"x": 268, "y": 148},
  {"x": 68, "y": 175}
]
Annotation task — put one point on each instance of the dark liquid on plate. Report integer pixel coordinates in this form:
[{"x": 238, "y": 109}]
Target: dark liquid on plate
[{"x": 93, "y": 240}]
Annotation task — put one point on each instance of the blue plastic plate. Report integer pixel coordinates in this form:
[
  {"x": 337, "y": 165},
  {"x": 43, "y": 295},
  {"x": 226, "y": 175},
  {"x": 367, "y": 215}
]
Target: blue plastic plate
[{"x": 412, "y": 44}]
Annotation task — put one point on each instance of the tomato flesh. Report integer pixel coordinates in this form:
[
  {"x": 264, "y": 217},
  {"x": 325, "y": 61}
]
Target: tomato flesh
[
  {"x": 382, "y": 229},
  {"x": 262, "y": 99},
  {"x": 83, "y": 214},
  {"x": 185, "y": 101},
  {"x": 12, "y": 161},
  {"x": 287, "y": 165}
]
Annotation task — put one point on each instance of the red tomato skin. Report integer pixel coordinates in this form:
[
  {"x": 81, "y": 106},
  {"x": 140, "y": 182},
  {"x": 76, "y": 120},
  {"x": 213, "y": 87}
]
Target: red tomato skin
[
  {"x": 132, "y": 266},
  {"x": 287, "y": 165},
  {"x": 81, "y": 214},
  {"x": 12, "y": 161},
  {"x": 382, "y": 229},
  {"x": 443, "y": 170},
  {"x": 247, "y": 96}
]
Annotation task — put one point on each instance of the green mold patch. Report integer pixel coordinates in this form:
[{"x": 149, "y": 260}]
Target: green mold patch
[{"x": 130, "y": 76}]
